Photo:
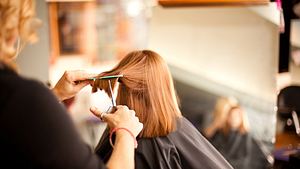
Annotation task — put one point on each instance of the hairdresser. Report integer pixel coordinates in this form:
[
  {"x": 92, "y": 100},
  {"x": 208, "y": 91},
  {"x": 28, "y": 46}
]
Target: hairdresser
[{"x": 35, "y": 130}]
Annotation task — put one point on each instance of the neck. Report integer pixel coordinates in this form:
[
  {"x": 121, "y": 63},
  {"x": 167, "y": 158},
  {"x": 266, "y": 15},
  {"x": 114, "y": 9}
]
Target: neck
[
  {"x": 1, "y": 65},
  {"x": 8, "y": 64}
]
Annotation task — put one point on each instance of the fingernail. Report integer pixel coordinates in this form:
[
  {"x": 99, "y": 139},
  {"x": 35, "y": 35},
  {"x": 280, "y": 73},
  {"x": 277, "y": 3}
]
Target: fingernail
[
  {"x": 101, "y": 116},
  {"x": 93, "y": 108}
]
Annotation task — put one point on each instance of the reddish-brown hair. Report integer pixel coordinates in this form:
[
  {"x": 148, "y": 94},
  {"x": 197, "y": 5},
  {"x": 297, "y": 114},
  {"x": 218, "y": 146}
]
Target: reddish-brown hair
[{"x": 147, "y": 87}]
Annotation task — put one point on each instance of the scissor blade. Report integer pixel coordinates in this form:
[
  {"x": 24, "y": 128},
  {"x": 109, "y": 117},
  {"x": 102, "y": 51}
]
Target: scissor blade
[{"x": 112, "y": 95}]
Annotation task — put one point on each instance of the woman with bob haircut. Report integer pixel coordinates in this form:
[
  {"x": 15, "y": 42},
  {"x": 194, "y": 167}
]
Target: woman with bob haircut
[
  {"x": 168, "y": 140},
  {"x": 220, "y": 115}
]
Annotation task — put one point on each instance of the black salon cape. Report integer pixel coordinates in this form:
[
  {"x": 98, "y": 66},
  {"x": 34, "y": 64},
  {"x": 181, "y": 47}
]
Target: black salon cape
[
  {"x": 185, "y": 148},
  {"x": 241, "y": 150}
]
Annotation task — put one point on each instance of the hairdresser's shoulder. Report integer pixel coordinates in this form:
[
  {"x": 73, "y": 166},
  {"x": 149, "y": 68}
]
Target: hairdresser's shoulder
[{"x": 15, "y": 85}]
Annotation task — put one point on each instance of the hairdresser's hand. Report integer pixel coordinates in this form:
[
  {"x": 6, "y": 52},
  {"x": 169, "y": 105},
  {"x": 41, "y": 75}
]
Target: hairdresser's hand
[
  {"x": 67, "y": 87},
  {"x": 220, "y": 121},
  {"x": 123, "y": 117}
]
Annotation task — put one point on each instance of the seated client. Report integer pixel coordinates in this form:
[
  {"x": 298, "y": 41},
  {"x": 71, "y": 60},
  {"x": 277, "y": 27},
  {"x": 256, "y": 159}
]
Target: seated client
[{"x": 168, "y": 140}]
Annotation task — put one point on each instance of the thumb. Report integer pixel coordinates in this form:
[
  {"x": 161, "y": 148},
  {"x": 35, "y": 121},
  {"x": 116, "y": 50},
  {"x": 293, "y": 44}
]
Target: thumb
[
  {"x": 107, "y": 117},
  {"x": 95, "y": 111},
  {"x": 82, "y": 84}
]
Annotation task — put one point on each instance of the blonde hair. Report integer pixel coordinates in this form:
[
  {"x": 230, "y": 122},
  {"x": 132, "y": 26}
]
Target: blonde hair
[
  {"x": 223, "y": 108},
  {"x": 17, "y": 17},
  {"x": 147, "y": 87}
]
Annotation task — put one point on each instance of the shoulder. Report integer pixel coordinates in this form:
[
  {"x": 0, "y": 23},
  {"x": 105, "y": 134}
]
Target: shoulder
[
  {"x": 156, "y": 145},
  {"x": 157, "y": 152},
  {"x": 31, "y": 90},
  {"x": 186, "y": 128},
  {"x": 12, "y": 82},
  {"x": 22, "y": 91}
]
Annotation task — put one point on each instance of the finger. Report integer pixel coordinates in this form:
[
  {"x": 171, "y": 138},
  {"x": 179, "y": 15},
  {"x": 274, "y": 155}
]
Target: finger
[
  {"x": 140, "y": 127},
  {"x": 132, "y": 112},
  {"x": 81, "y": 85},
  {"x": 136, "y": 118},
  {"x": 81, "y": 75},
  {"x": 107, "y": 118},
  {"x": 122, "y": 107},
  {"x": 95, "y": 111}
]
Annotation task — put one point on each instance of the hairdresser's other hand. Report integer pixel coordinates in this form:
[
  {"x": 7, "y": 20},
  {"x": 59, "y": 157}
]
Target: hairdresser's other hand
[
  {"x": 67, "y": 87},
  {"x": 217, "y": 124},
  {"x": 123, "y": 117}
]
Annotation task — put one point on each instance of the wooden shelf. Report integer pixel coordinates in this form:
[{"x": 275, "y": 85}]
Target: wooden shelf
[{"x": 287, "y": 139}]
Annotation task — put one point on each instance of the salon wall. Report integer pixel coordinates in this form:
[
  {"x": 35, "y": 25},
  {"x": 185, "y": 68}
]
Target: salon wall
[
  {"x": 295, "y": 41},
  {"x": 224, "y": 50},
  {"x": 33, "y": 61},
  {"x": 295, "y": 74}
]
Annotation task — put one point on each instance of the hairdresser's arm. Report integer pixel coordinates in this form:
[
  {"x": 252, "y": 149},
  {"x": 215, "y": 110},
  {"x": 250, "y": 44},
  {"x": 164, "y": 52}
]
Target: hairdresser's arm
[
  {"x": 67, "y": 87},
  {"x": 43, "y": 132},
  {"x": 217, "y": 124},
  {"x": 210, "y": 131},
  {"x": 123, "y": 153}
]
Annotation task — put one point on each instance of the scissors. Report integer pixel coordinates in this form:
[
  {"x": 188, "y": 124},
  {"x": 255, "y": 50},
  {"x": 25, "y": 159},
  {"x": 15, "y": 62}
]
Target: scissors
[
  {"x": 112, "y": 108},
  {"x": 113, "y": 101}
]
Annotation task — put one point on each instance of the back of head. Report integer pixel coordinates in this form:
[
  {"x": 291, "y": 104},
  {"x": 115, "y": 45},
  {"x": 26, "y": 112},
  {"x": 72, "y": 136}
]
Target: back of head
[
  {"x": 222, "y": 107},
  {"x": 17, "y": 19},
  {"x": 147, "y": 87}
]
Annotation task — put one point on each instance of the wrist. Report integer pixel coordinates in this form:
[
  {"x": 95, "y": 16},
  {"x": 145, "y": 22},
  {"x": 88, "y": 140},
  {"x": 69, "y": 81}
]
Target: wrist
[
  {"x": 57, "y": 94},
  {"x": 123, "y": 134}
]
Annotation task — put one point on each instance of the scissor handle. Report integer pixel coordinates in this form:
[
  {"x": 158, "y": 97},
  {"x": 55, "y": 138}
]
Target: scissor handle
[
  {"x": 111, "y": 109},
  {"x": 114, "y": 109}
]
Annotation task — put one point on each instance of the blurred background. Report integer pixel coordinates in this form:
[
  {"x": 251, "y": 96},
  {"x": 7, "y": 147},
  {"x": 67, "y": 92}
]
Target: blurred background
[{"x": 244, "y": 49}]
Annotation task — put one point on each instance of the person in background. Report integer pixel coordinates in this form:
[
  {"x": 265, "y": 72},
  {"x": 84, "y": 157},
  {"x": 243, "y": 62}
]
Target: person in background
[
  {"x": 168, "y": 140},
  {"x": 35, "y": 130},
  {"x": 229, "y": 133},
  {"x": 220, "y": 114}
]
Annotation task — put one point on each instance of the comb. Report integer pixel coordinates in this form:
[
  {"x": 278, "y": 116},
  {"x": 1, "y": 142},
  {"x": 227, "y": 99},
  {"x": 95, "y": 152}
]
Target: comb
[
  {"x": 105, "y": 77},
  {"x": 99, "y": 78}
]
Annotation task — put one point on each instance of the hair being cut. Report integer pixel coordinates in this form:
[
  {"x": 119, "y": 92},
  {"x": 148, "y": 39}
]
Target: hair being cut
[{"x": 147, "y": 87}]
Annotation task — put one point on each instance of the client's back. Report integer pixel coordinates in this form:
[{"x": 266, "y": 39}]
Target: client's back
[{"x": 168, "y": 140}]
